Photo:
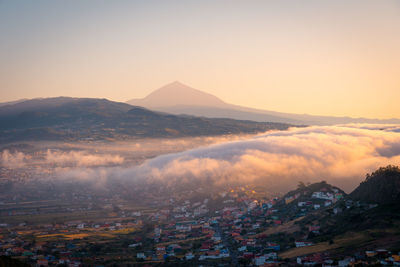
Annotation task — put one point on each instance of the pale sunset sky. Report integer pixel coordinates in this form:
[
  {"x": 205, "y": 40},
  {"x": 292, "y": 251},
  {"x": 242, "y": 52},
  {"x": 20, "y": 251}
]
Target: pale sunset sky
[{"x": 338, "y": 57}]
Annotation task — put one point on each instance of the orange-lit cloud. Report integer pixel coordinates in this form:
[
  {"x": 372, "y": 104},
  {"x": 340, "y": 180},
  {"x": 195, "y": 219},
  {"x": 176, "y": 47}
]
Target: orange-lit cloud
[
  {"x": 13, "y": 160},
  {"x": 340, "y": 155},
  {"x": 60, "y": 159},
  {"x": 81, "y": 158}
]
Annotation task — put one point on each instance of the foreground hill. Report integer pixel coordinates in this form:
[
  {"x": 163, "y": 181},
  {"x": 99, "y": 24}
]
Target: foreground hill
[
  {"x": 304, "y": 199},
  {"x": 178, "y": 98},
  {"x": 64, "y": 118},
  {"x": 381, "y": 187},
  {"x": 366, "y": 219}
]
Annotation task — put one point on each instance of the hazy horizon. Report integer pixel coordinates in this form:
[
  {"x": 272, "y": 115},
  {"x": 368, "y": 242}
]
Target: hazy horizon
[
  {"x": 323, "y": 58},
  {"x": 199, "y": 133}
]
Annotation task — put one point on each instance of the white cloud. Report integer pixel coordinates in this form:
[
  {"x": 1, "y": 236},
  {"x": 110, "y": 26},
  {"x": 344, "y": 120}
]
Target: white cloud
[
  {"x": 338, "y": 154},
  {"x": 81, "y": 158},
  {"x": 13, "y": 160}
]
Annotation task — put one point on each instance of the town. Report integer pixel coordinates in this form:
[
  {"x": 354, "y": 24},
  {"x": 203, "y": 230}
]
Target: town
[{"x": 237, "y": 227}]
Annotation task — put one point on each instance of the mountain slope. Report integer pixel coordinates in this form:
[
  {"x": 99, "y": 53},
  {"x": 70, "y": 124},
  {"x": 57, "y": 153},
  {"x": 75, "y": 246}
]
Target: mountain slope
[
  {"x": 369, "y": 217},
  {"x": 64, "y": 118},
  {"x": 381, "y": 187},
  {"x": 178, "y": 98},
  {"x": 230, "y": 112},
  {"x": 175, "y": 94}
]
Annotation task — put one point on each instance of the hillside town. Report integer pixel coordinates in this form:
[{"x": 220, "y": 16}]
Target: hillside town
[
  {"x": 170, "y": 133},
  {"x": 239, "y": 227}
]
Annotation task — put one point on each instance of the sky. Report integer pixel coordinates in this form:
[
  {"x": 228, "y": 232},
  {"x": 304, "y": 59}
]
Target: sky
[{"x": 318, "y": 57}]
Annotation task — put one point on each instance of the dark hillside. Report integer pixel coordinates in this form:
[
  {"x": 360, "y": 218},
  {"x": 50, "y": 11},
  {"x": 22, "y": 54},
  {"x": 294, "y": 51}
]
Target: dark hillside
[
  {"x": 371, "y": 212},
  {"x": 65, "y": 118},
  {"x": 381, "y": 187}
]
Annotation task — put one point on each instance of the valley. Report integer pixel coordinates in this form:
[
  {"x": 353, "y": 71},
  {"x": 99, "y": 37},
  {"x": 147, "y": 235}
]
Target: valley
[
  {"x": 233, "y": 227},
  {"x": 199, "y": 133}
]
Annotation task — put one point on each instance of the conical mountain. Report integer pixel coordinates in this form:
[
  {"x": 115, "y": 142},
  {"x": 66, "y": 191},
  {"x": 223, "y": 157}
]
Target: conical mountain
[
  {"x": 178, "y": 98},
  {"x": 177, "y": 94}
]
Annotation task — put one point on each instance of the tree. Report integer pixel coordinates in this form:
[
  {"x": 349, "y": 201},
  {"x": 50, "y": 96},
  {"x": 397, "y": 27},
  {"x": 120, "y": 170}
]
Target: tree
[{"x": 301, "y": 185}]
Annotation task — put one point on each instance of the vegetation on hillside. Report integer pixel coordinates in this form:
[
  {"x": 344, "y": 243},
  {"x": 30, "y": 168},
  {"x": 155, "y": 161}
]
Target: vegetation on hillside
[{"x": 381, "y": 187}]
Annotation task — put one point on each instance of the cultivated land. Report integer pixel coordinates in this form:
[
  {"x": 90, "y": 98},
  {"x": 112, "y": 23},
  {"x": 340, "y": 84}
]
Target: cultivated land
[{"x": 236, "y": 227}]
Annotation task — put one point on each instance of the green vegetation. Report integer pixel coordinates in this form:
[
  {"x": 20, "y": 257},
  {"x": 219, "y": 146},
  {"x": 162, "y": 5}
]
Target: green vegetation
[{"x": 381, "y": 187}]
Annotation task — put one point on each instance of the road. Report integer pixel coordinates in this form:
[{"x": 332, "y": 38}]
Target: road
[{"x": 228, "y": 245}]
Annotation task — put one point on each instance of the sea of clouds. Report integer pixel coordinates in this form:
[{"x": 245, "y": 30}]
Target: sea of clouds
[{"x": 340, "y": 155}]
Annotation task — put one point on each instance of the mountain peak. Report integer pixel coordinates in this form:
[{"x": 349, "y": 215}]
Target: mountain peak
[
  {"x": 174, "y": 86},
  {"x": 177, "y": 94},
  {"x": 176, "y": 83}
]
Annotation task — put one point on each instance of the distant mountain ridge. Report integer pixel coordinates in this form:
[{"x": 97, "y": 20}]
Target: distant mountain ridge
[
  {"x": 65, "y": 118},
  {"x": 177, "y": 98},
  {"x": 12, "y": 102}
]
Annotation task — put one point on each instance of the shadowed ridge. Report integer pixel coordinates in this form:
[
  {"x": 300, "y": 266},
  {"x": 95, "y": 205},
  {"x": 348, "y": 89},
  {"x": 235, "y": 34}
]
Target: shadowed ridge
[{"x": 381, "y": 187}]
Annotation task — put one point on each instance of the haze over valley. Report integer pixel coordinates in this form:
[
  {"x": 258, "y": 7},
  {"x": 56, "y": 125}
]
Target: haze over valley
[
  {"x": 199, "y": 133},
  {"x": 138, "y": 175}
]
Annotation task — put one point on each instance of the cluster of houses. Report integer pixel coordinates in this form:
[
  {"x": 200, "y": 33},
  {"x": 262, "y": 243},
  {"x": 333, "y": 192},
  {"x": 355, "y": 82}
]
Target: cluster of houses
[
  {"x": 380, "y": 257},
  {"x": 237, "y": 229},
  {"x": 184, "y": 232},
  {"x": 325, "y": 198}
]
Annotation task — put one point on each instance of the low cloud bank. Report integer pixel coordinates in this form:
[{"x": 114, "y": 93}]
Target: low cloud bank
[
  {"x": 13, "y": 160},
  {"x": 82, "y": 158},
  {"x": 340, "y": 155},
  {"x": 59, "y": 159}
]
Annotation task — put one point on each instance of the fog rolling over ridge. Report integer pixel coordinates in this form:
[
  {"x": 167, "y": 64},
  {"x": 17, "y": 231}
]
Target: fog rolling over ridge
[
  {"x": 340, "y": 155},
  {"x": 178, "y": 98}
]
